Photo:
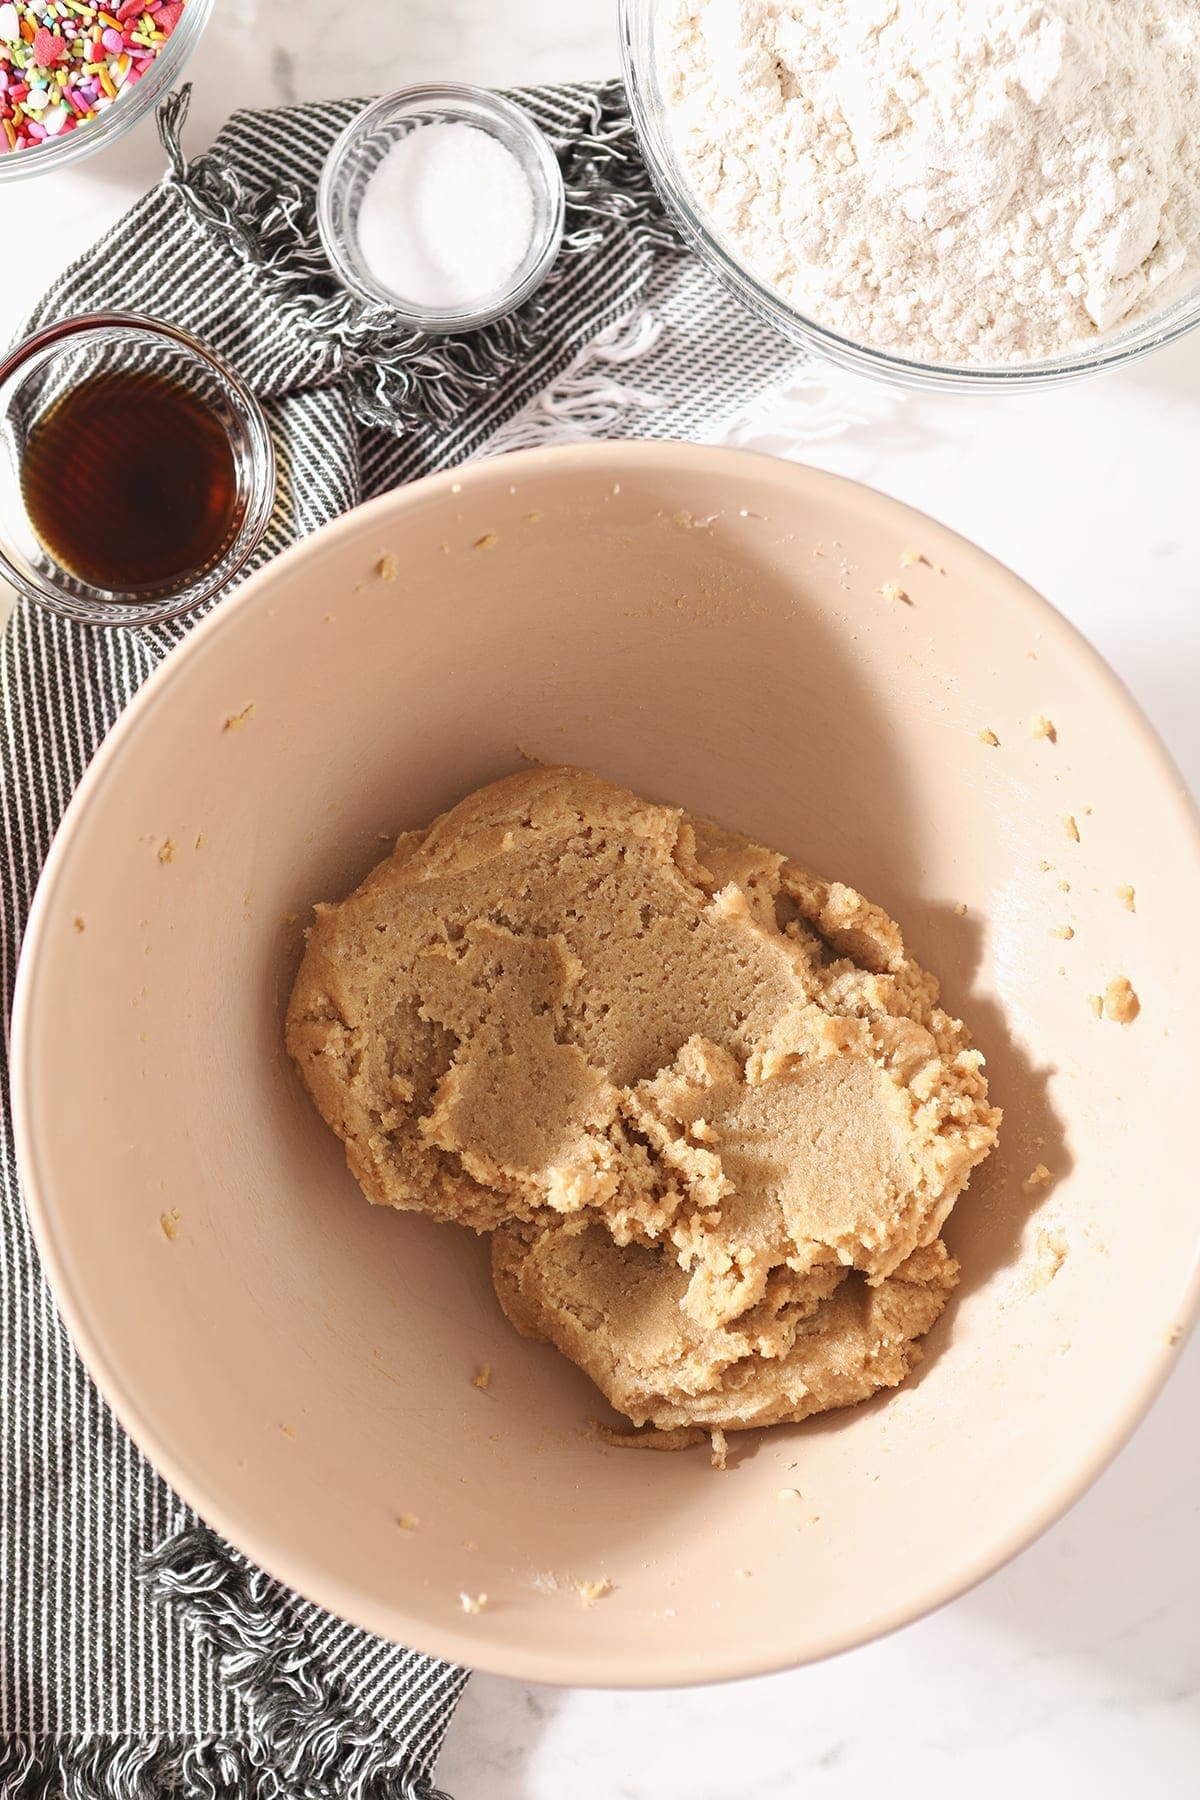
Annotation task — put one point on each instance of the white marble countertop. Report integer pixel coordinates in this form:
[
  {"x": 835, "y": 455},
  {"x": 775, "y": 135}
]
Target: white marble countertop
[{"x": 1077, "y": 1669}]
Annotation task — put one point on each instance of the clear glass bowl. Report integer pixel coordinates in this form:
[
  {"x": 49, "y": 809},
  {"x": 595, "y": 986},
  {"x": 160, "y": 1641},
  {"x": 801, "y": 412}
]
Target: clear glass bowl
[
  {"x": 640, "y": 64},
  {"x": 35, "y": 375},
  {"x": 132, "y": 104},
  {"x": 367, "y": 140}
]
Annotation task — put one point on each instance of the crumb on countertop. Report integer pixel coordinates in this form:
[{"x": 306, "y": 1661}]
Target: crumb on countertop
[
  {"x": 891, "y": 590},
  {"x": 482, "y": 1379},
  {"x": 472, "y": 1603},
  {"x": 168, "y": 850},
  {"x": 1070, "y": 827},
  {"x": 960, "y": 907},
  {"x": 1121, "y": 1003},
  {"x": 387, "y": 567},
  {"x": 988, "y": 736},
  {"x": 789, "y": 1494},
  {"x": 1036, "y": 1179},
  {"x": 532, "y": 518},
  {"x": 170, "y": 1223},
  {"x": 591, "y": 1591},
  {"x": 235, "y": 721},
  {"x": 1062, "y": 931},
  {"x": 1064, "y": 887},
  {"x": 1096, "y": 1002},
  {"x": 407, "y": 1521},
  {"x": 1128, "y": 898},
  {"x": 288, "y": 1430},
  {"x": 1042, "y": 727},
  {"x": 1043, "y": 866},
  {"x": 488, "y": 541},
  {"x": 719, "y": 1448},
  {"x": 79, "y": 922}
]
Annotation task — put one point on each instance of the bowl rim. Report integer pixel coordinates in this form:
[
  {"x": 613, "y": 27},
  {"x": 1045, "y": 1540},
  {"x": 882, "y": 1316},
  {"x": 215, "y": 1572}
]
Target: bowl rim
[
  {"x": 635, "y": 22},
  {"x": 188, "y": 1477}
]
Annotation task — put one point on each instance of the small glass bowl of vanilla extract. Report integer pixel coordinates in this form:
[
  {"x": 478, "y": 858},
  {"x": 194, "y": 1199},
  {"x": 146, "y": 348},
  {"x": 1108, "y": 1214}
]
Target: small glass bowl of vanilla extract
[{"x": 137, "y": 475}]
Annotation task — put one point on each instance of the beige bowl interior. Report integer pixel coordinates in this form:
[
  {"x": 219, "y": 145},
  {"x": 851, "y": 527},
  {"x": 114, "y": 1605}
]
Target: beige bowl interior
[{"x": 707, "y": 627}]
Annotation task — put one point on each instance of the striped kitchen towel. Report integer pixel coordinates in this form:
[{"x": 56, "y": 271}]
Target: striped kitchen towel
[{"x": 140, "y": 1656}]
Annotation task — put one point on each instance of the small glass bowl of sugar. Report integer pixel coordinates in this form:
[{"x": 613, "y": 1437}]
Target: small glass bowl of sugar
[{"x": 443, "y": 203}]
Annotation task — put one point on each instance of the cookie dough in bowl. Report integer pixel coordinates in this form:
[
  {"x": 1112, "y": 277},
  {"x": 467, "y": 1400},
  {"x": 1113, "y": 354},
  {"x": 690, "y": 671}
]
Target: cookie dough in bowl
[
  {"x": 620, "y": 1313},
  {"x": 690, "y": 1084}
]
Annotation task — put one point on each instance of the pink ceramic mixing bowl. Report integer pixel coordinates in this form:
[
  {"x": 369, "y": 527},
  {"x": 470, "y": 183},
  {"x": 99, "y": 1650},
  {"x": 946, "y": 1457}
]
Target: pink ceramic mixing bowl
[{"x": 707, "y": 627}]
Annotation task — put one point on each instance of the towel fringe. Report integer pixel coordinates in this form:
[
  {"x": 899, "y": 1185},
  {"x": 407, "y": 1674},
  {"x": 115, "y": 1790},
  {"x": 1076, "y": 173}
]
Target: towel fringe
[
  {"x": 305, "y": 1742},
  {"x": 396, "y": 377},
  {"x": 94, "y": 1767},
  {"x": 586, "y": 400}
]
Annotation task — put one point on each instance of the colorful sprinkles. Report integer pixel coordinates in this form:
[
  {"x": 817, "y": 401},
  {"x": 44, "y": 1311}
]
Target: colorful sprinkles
[{"x": 63, "y": 61}]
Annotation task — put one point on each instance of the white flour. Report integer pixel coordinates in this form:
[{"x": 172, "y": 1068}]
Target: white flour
[{"x": 966, "y": 181}]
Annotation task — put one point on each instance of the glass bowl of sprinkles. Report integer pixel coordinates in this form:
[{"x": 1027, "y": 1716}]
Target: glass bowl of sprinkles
[
  {"x": 137, "y": 474},
  {"x": 74, "y": 76}
]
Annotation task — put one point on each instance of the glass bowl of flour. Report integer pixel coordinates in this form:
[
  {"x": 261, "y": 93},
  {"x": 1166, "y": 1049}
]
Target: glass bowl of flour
[{"x": 963, "y": 195}]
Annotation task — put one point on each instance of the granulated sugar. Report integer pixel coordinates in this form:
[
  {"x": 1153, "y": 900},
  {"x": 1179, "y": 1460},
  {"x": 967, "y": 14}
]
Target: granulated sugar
[
  {"x": 446, "y": 217},
  {"x": 963, "y": 181}
]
